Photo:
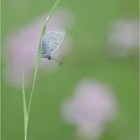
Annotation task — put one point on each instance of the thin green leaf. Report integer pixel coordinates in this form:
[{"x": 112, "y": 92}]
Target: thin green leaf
[
  {"x": 24, "y": 108},
  {"x": 39, "y": 53}
]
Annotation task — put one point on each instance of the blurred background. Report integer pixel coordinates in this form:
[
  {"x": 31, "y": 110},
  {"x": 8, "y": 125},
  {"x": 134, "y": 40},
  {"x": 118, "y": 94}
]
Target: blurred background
[{"x": 94, "y": 94}]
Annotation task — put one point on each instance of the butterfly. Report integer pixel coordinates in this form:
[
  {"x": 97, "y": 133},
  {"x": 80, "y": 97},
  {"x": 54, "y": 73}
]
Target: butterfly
[{"x": 51, "y": 41}]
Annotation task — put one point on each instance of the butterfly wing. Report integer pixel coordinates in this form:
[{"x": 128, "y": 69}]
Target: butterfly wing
[{"x": 51, "y": 42}]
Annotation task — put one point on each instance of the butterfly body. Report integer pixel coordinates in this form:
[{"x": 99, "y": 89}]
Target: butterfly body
[{"x": 51, "y": 41}]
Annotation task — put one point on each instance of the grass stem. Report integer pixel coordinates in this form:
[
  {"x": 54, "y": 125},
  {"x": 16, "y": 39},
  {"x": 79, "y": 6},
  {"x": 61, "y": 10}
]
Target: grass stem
[{"x": 26, "y": 109}]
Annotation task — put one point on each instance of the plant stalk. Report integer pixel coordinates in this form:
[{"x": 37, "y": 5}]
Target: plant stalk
[{"x": 26, "y": 109}]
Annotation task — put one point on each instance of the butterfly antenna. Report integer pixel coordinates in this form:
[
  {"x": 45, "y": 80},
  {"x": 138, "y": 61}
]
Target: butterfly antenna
[{"x": 60, "y": 63}]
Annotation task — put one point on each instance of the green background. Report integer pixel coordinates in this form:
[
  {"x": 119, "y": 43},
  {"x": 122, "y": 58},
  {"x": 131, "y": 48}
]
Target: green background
[{"x": 87, "y": 59}]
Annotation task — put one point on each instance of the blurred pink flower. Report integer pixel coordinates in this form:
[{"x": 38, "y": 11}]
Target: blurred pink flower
[
  {"x": 90, "y": 109},
  {"x": 21, "y": 47},
  {"x": 123, "y": 37}
]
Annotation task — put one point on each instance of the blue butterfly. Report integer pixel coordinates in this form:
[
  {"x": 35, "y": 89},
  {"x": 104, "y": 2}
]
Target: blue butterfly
[{"x": 51, "y": 41}]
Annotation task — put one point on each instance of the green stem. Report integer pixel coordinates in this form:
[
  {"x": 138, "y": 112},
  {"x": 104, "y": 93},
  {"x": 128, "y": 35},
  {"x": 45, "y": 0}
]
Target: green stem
[
  {"x": 26, "y": 108},
  {"x": 34, "y": 80},
  {"x": 52, "y": 10},
  {"x": 39, "y": 54}
]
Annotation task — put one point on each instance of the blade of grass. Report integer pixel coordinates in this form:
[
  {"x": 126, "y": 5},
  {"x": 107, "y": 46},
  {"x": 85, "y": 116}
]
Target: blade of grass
[
  {"x": 24, "y": 108},
  {"x": 39, "y": 53}
]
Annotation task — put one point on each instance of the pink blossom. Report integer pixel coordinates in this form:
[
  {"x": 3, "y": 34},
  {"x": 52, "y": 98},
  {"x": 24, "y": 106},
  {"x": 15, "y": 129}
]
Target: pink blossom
[
  {"x": 123, "y": 37},
  {"x": 92, "y": 106},
  {"x": 21, "y": 47}
]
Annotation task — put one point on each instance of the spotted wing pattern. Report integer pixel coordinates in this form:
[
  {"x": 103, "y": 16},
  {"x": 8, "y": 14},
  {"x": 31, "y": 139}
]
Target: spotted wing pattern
[{"x": 51, "y": 41}]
